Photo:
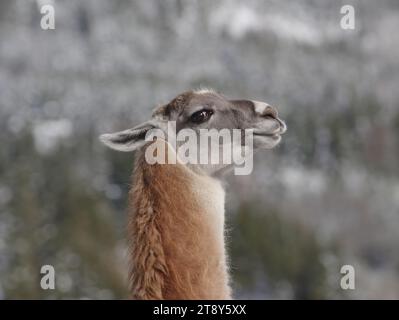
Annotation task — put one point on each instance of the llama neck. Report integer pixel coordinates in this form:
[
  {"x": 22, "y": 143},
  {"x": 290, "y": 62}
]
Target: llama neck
[{"x": 176, "y": 233}]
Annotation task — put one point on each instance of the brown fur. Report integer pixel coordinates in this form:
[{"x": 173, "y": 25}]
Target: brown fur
[
  {"x": 175, "y": 249},
  {"x": 177, "y": 104}
]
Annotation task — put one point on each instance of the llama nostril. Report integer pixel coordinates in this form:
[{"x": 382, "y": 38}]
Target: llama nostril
[{"x": 270, "y": 112}]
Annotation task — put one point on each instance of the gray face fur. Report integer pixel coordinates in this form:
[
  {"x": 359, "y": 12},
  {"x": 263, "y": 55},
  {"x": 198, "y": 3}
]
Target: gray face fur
[{"x": 205, "y": 109}]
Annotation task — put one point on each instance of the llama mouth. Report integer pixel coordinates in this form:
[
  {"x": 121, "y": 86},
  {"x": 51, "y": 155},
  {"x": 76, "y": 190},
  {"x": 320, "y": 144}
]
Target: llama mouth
[{"x": 274, "y": 136}]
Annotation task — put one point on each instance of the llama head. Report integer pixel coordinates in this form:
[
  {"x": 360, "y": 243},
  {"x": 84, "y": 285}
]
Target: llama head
[{"x": 205, "y": 111}]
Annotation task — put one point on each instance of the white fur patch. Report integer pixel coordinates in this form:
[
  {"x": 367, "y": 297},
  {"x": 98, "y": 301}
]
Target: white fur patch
[
  {"x": 211, "y": 195},
  {"x": 204, "y": 90},
  {"x": 260, "y": 107}
]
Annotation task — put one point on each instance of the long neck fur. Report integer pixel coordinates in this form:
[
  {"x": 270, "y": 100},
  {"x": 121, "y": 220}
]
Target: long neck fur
[{"x": 176, "y": 232}]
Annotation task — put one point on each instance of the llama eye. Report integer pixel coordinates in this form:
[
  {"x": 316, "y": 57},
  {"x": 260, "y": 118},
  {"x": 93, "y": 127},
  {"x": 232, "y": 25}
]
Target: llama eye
[{"x": 201, "y": 116}]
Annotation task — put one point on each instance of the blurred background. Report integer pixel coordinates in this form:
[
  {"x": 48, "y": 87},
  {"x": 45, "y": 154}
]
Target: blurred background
[{"x": 326, "y": 197}]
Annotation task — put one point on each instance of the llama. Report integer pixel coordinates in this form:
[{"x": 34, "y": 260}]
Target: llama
[{"x": 176, "y": 211}]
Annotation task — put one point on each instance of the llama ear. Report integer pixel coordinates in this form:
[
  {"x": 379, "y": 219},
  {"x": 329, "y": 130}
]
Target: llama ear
[{"x": 128, "y": 140}]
